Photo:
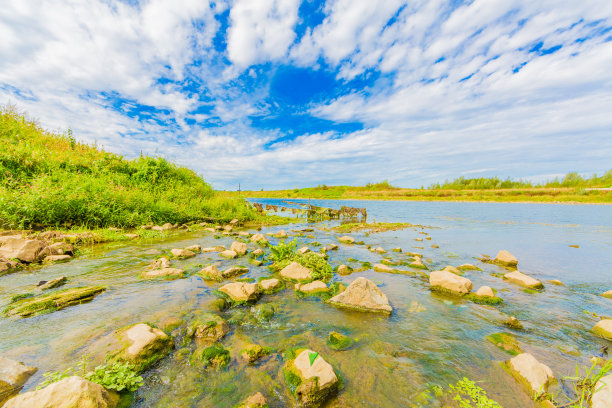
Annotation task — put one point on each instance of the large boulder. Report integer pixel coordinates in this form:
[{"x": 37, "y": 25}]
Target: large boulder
[
  {"x": 535, "y": 375},
  {"x": 602, "y": 397},
  {"x": 603, "y": 328},
  {"x": 523, "y": 280},
  {"x": 70, "y": 392},
  {"x": 241, "y": 291},
  {"x": 506, "y": 258},
  {"x": 295, "y": 271},
  {"x": 239, "y": 247},
  {"x": 26, "y": 250},
  {"x": 449, "y": 282},
  {"x": 362, "y": 294},
  {"x": 317, "y": 379},
  {"x": 13, "y": 375}
]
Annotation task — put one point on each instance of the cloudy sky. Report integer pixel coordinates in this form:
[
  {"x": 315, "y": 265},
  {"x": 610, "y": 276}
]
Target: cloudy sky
[{"x": 286, "y": 93}]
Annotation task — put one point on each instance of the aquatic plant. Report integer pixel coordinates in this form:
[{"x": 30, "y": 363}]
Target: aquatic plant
[
  {"x": 584, "y": 385},
  {"x": 215, "y": 355},
  {"x": 283, "y": 251},
  {"x": 470, "y": 395},
  {"x": 117, "y": 376}
]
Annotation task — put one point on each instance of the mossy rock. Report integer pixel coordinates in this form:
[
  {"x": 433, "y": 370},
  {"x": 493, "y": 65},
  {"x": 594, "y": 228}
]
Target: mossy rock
[
  {"x": 264, "y": 312},
  {"x": 484, "y": 300},
  {"x": 51, "y": 302},
  {"x": 218, "y": 305},
  {"x": 308, "y": 391},
  {"x": 505, "y": 342},
  {"x": 213, "y": 356},
  {"x": 388, "y": 262},
  {"x": 139, "y": 344},
  {"x": 209, "y": 327},
  {"x": 338, "y": 341},
  {"x": 253, "y": 352}
]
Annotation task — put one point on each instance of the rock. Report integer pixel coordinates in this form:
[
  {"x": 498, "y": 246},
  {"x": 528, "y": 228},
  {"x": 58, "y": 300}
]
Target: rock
[
  {"x": 60, "y": 248},
  {"x": 380, "y": 250},
  {"x": 607, "y": 294},
  {"x": 505, "y": 342},
  {"x": 146, "y": 227},
  {"x": 468, "y": 267},
  {"x": 239, "y": 248},
  {"x": 164, "y": 273},
  {"x": 256, "y": 262},
  {"x": 241, "y": 291},
  {"x": 70, "y": 392},
  {"x": 416, "y": 307},
  {"x": 270, "y": 284},
  {"x": 259, "y": 238},
  {"x": 318, "y": 380},
  {"x": 418, "y": 263},
  {"x": 312, "y": 287},
  {"x": 398, "y": 249},
  {"x": 332, "y": 247},
  {"x": 523, "y": 280},
  {"x": 602, "y": 396},
  {"x": 435, "y": 246},
  {"x": 303, "y": 250},
  {"x": 229, "y": 254},
  {"x": 383, "y": 268},
  {"x": 182, "y": 253},
  {"x": 157, "y": 228},
  {"x": 211, "y": 273},
  {"x": 281, "y": 234},
  {"x": 167, "y": 226},
  {"x": 506, "y": 258},
  {"x": 53, "y": 283},
  {"x": 57, "y": 258},
  {"x": 448, "y": 281},
  {"x": 295, "y": 271},
  {"x": 344, "y": 270},
  {"x": 556, "y": 282},
  {"x": 347, "y": 239},
  {"x": 362, "y": 294},
  {"x": 160, "y": 263},
  {"x": 338, "y": 341},
  {"x": 534, "y": 374},
  {"x": 139, "y": 344},
  {"x": 244, "y": 234},
  {"x": 418, "y": 239},
  {"x": 234, "y": 271},
  {"x": 485, "y": 291},
  {"x": 603, "y": 328},
  {"x": 209, "y": 327},
  {"x": 132, "y": 236},
  {"x": 452, "y": 269},
  {"x": 26, "y": 250},
  {"x": 13, "y": 375},
  {"x": 51, "y": 302},
  {"x": 227, "y": 228},
  {"x": 252, "y": 352},
  {"x": 234, "y": 221},
  {"x": 514, "y": 323},
  {"x": 194, "y": 248},
  {"x": 254, "y": 401},
  {"x": 257, "y": 252}
]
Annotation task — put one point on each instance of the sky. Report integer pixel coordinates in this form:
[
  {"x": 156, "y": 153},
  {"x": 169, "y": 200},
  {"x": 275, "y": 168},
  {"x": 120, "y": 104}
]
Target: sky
[{"x": 288, "y": 93}]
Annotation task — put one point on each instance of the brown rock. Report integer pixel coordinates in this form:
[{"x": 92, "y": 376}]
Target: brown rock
[
  {"x": 26, "y": 250},
  {"x": 241, "y": 291},
  {"x": 363, "y": 294},
  {"x": 163, "y": 273},
  {"x": 524, "y": 280},
  {"x": 295, "y": 271},
  {"x": 448, "y": 281},
  {"x": 506, "y": 258},
  {"x": 239, "y": 248}
]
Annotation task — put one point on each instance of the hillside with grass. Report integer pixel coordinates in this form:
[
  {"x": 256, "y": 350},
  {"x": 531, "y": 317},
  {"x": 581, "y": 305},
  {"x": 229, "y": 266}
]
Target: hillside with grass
[{"x": 52, "y": 180}]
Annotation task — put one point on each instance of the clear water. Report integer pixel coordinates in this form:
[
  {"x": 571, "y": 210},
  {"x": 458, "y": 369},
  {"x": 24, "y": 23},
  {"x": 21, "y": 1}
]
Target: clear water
[{"x": 396, "y": 357}]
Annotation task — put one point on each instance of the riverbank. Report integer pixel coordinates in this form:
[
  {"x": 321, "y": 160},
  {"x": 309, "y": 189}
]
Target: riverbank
[{"x": 567, "y": 195}]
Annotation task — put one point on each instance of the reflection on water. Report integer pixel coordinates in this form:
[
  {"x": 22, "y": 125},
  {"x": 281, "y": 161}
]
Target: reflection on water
[{"x": 429, "y": 339}]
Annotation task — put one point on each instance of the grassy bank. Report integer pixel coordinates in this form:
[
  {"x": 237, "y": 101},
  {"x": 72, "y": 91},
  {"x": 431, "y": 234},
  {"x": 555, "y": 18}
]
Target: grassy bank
[
  {"x": 52, "y": 180},
  {"x": 532, "y": 194}
]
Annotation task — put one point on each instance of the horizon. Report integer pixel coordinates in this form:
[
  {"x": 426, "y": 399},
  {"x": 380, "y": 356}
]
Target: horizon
[{"x": 294, "y": 94}]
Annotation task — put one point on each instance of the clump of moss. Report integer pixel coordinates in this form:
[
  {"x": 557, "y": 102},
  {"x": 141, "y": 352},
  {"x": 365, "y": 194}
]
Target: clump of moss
[
  {"x": 51, "y": 302},
  {"x": 264, "y": 312},
  {"x": 505, "y": 342},
  {"x": 338, "y": 341},
  {"x": 215, "y": 356},
  {"x": 484, "y": 300}
]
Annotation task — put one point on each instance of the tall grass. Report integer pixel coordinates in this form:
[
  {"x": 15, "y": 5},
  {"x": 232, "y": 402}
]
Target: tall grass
[
  {"x": 488, "y": 183},
  {"x": 49, "y": 179}
]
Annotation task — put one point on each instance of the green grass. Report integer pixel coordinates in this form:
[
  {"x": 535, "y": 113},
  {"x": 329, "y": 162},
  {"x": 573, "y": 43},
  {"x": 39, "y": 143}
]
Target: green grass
[{"x": 52, "y": 180}]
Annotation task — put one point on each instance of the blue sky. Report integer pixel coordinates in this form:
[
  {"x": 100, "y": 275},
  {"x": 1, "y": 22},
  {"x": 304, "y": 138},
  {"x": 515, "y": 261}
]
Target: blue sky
[{"x": 283, "y": 94}]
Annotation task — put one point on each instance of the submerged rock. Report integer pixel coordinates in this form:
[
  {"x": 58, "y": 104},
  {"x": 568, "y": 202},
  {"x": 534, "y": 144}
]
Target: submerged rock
[
  {"x": 513, "y": 323},
  {"x": 506, "y": 258},
  {"x": 160, "y": 263},
  {"x": 338, "y": 341},
  {"x": 209, "y": 327},
  {"x": 25, "y": 250},
  {"x": 529, "y": 371},
  {"x": 347, "y": 239},
  {"x": 603, "y": 328},
  {"x": 194, "y": 248},
  {"x": 51, "y": 302},
  {"x": 57, "y": 258},
  {"x": 556, "y": 282},
  {"x": 255, "y": 401},
  {"x": 418, "y": 263},
  {"x": 295, "y": 271},
  {"x": 229, "y": 254},
  {"x": 523, "y": 280},
  {"x": 312, "y": 287},
  {"x": 602, "y": 397},
  {"x": 315, "y": 379},
  {"x": 13, "y": 375},
  {"x": 362, "y": 294},
  {"x": 53, "y": 283},
  {"x": 216, "y": 356},
  {"x": 383, "y": 268},
  {"x": 164, "y": 273},
  {"x": 70, "y": 392},
  {"x": 449, "y": 282},
  {"x": 252, "y": 352},
  {"x": 505, "y": 342},
  {"x": 241, "y": 291},
  {"x": 468, "y": 267},
  {"x": 239, "y": 248}
]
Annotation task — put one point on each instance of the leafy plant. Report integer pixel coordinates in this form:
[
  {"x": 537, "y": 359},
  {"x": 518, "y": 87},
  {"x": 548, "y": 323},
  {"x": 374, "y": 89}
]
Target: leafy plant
[
  {"x": 283, "y": 251},
  {"x": 117, "y": 376},
  {"x": 470, "y": 395}
]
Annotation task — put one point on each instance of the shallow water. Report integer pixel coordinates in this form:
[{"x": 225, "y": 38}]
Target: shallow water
[{"x": 429, "y": 339}]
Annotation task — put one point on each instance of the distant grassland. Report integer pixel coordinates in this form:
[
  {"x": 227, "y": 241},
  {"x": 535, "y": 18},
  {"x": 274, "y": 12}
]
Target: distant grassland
[
  {"x": 51, "y": 180},
  {"x": 383, "y": 191}
]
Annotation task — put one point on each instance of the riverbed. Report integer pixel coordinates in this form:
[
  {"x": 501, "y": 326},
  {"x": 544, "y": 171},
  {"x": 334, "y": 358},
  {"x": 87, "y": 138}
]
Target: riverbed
[{"x": 429, "y": 339}]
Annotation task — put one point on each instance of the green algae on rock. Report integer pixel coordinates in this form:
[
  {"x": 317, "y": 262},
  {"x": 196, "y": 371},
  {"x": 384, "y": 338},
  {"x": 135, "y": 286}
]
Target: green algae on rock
[
  {"x": 209, "y": 327},
  {"x": 505, "y": 342},
  {"x": 215, "y": 356},
  {"x": 51, "y": 302},
  {"x": 339, "y": 341},
  {"x": 310, "y": 378}
]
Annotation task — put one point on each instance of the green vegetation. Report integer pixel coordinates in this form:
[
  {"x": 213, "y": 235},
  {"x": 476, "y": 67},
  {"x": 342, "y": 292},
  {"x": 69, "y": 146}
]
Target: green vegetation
[
  {"x": 584, "y": 385},
  {"x": 283, "y": 251},
  {"x": 470, "y": 395},
  {"x": 338, "y": 341},
  {"x": 505, "y": 342},
  {"x": 216, "y": 356},
  {"x": 47, "y": 303},
  {"x": 51, "y": 180},
  {"x": 283, "y": 254},
  {"x": 372, "y": 227},
  {"x": 488, "y": 183}
]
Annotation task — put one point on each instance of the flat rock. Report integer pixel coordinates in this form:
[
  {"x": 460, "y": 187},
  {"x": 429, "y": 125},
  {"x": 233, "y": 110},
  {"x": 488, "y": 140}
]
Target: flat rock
[
  {"x": 346, "y": 239},
  {"x": 194, "y": 248},
  {"x": 468, "y": 267},
  {"x": 160, "y": 263},
  {"x": 383, "y": 268},
  {"x": 603, "y": 328},
  {"x": 506, "y": 258},
  {"x": 213, "y": 249},
  {"x": 53, "y": 283},
  {"x": 312, "y": 287},
  {"x": 13, "y": 375},
  {"x": 234, "y": 271},
  {"x": 536, "y": 375},
  {"x": 448, "y": 281},
  {"x": 295, "y": 271},
  {"x": 269, "y": 284},
  {"x": 70, "y": 392},
  {"x": 26, "y": 250},
  {"x": 523, "y": 280},
  {"x": 60, "y": 248},
  {"x": 57, "y": 258},
  {"x": 239, "y": 248},
  {"x": 362, "y": 294},
  {"x": 164, "y": 273},
  {"x": 602, "y": 397},
  {"x": 241, "y": 291},
  {"x": 229, "y": 254},
  {"x": 182, "y": 253}
]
